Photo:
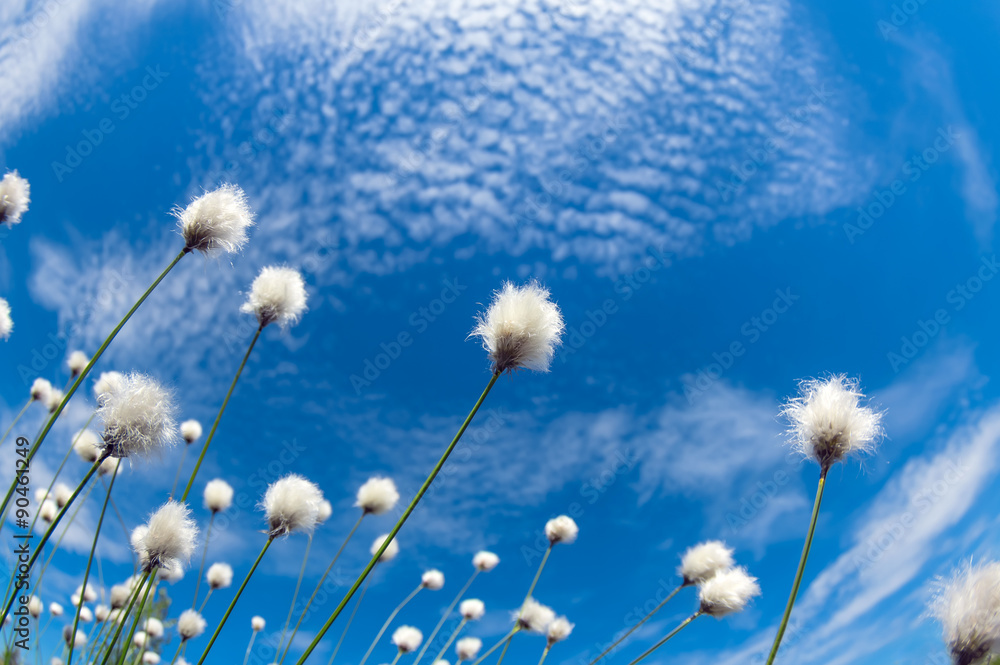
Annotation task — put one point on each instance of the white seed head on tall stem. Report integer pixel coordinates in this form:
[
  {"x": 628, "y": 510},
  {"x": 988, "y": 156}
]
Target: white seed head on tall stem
[
  {"x": 432, "y": 579},
  {"x": 110, "y": 466},
  {"x": 407, "y": 638},
  {"x": 88, "y": 446},
  {"x": 216, "y": 220},
  {"x": 35, "y": 606},
  {"x": 558, "y": 630},
  {"x": 190, "y": 431},
  {"x": 468, "y": 648},
  {"x": 89, "y": 593},
  {"x": 55, "y": 398},
  {"x": 472, "y": 609},
  {"x": 153, "y": 627},
  {"x": 61, "y": 493},
  {"x": 48, "y": 510},
  {"x": 150, "y": 658},
  {"x": 119, "y": 595},
  {"x": 86, "y": 616},
  {"x": 534, "y": 617},
  {"x": 377, "y": 496},
  {"x": 968, "y": 607},
  {"x": 77, "y": 362},
  {"x": 701, "y": 562},
  {"x": 218, "y": 495},
  {"x": 828, "y": 421},
  {"x": 390, "y": 551},
  {"x": 727, "y": 592},
  {"x": 6, "y": 322},
  {"x": 77, "y": 639},
  {"x": 219, "y": 575},
  {"x": 561, "y": 529},
  {"x": 15, "y": 195},
  {"x": 170, "y": 535},
  {"x": 138, "y": 418},
  {"x": 55, "y": 609},
  {"x": 40, "y": 390},
  {"x": 521, "y": 328},
  {"x": 325, "y": 510},
  {"x": 277, "y": 295},
  {"x": 101, "y": 613},
  {"x": 485, "y": 561},
  {"x": 257, "y": 624},
  {"x": 107, "y": 383},
  {"x": 190, "y": 624},
  {"x": 291, "y": 504}
]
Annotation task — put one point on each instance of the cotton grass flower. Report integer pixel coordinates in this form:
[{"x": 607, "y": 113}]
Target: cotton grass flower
[
  {"x": 138, "y": 418},
  {"x": 219, "y": 576},
  {"x": 77, "y": 639},
  {"x": 521, "y": 328},
  {"x": 472, "y": 609},
  {"x": 190, "y": 431},
  {"x": 257, "y": 623},
  {"x": 534, "y": 617},
  {"x": 119, "y": 595},
  {"x": 15, "y": 195},
  {"x": 485, "y": 561},
  {"x": 190, "y": 624},
  {"x": 150, "y": 658},
  {"x": 407, "y": 639},
  {"x": 703, "y": 561},
  {"x": 106, "y": 384},
  {"x": 77, "y": 362},
  {"x": 89, "y": 593},
  {"x": 468, "y": 648},
  {"x": 88, "y": 446},
  {"x": 558, "y": 630},
  {"x": 40, "y": 389},
  {"x": 561, "y": 529},
  {"x": 377, "y": 496},
  {"x": 968, "y": 608},
  {"x": 216, "y": 220},
  {"x": 48, "y": 510},
  {"x": 325, "y": 510},
  {"x": 153, "y": 627},
  {"x": 101, "y": 613},
  {"x": 86, "y": 616},
  {"x": 35, "y": 606},
  {"x": 110, "y": 466},
  {"x": 727, "y": 592},
  {"x": 61, "y": 493},
  {"x": 218, "y": 495},
  {"x": 291, "y": 504},
  {"x": 390, "y": 551},
  {"x": 55, "y": 609},
  {"x": 172, "y": 571},
  {"x": 140, "y": 639},
  {"x": 6, "y": 322},
  {"x": 170, "y": 535},
  {"x": 53, "y": 399},
  {"x": 432, "y": 579},
  {"x": 277, "y": 295}
]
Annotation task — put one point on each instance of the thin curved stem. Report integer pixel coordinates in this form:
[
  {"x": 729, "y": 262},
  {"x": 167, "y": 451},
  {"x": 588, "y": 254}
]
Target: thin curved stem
[
  {"x": 505, "y": 647},
  {"x": 218, "y": 418},
  {"x": 538, "y": 573},
  {"x": 454, "y": 634},
  {"x": 545, "y": 653},
  {"x": 295, "y": 594},
  {"x": 144, "y": 582},
  {"x": 253, "y": 636},
  {"x": 388, "y": 621},
  {"x": 668, "y": 637},
  {"x": 503, "y": 640},
  {"x": 801, "y": 568},
  {"x": 444, "y": 618},
  {"x": 16, "y": 419},
  {"x": 125, "y": 531},
  {"x": 201, "y": 610},
  {"x": 180, "y": 467},
  {"x": 229, "y": 610},
  {"x": 636, "y": 626},
  {"x": 396, "y": 659},
  {"x": 138, "y": 617},
  {"x": 402, "y": 520},
  {"x": 350, "y": 619},
  {"x": 204, "y": 551}
]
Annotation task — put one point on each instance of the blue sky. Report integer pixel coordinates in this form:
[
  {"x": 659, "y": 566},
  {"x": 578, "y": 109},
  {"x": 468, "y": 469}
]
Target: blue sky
[{"x": 814, "y": 183}]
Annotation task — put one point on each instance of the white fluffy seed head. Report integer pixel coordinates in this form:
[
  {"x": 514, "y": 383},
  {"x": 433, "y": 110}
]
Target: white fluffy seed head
[
  {"x": 86, "y": 615},
  {"x": 440, "y": 662},
  {"x": 968, "y": 608},
  {"x": 257, "y": 623},
  {"x": 62, "y": 494},
  {"x": 277, "y": 295},
  {"x": 35, "y": 606},
  {"x": 216, "y": 220},
  {"x": 88, "y": 446},
  {"x": 153, "y": 627},
  {"x": 558, "y": 630},
  {"x": 472, "y": 609},
  {"x": 55, "y": 609},
  {"x": 191, "y": 431},
  {"x": 54, "y": 399},
  {"x": 6, "y": 322},
  {"x": 150, "y": 658},
  {"x": 138, "y": 418},
  {"x": 190, "y": 624},
  {"x": 106, "y": 384},
  {"x": 101, "y": 613},
  {"x": 110, "y": 466},
  {"x": 485, "y": 561},
  {"x": 48, "y": 510},
  {"x": 15, "y": 195},
  {"x": 727, "y": 591},
  {"x": 468, "y": 648},
  {"x": 377, "y": 495},
  {"x": 828, "y": 421},
  {"x": 89, "y": 594},
  {"x": 218, "y": 495},
  {"x": 77, "y": 639},
  {"x": 561, "y": 529},
  {"x": 521, "y": 328},
  {"x": 534, "y": 617},
  {"x": 40, "y": 390},
  {"x": 701, "y": 562},
  {"x": 170, "y": 535},
  {"x": 172, "y": 571},
  {"x": 325, "y": 510},
  {"x": 432, "y": 579},
  {"x": 41, "y": 494},
  {"x": 119, "y": 595},
  {"x": 219, "y": 575},
  {"x": 391, "y": 550},
  {"x": 77, "y": 362},
  {"x": 407, "y": 638},
  {"x": 291, "y": 504},
  {"x": 140, "y": 639}
]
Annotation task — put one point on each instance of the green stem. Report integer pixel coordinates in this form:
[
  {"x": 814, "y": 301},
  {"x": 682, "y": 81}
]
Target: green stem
[
  {"x": 319, "y": 586},
  {"x": 204, "y": 551},
  {"x": 636, "y": 626},
  {"x": 124, "y": 617},
  {"x": 176, "y": 653},
  {"x": 801, "y": 569},
  {"x": 55, "y": 476},
  {"x": 180, "y": 467},
  {"x": 86, "y": 571},
  {"x": 538, "y": 573},
  {"x": 295, "y": 595},
  {"x": 503, "y": 640},
  {"x": 138, "y": 617},
  {"x": 201, "y": 610},
  {"x": 350, "y": 619},
  {"x": 218, "y": 417},
  {"x": 229, "y": 610},
  {"x": 400, "y": 522},
  {"x": 505, "y": 647},
  {"x": 454, "y": 634},
  {"x": 16, "y": 418},
  {"x": 253, "y": 636},
  {"x": 444, "y": 618},
  {"x": 388, "y": 621},
  {"x": 396, "y": 659},
  {"x": 545, "y": 653},
  {"x": 86, "y": 370},
  {"x": 667, "y": 638},
  {"x": 125, "y": 531}
]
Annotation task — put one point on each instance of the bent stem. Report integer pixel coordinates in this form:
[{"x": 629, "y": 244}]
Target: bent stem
[
  {"x": 218, "y": 417},
  {"x": 16, "y": 418},
  {"x": 229, "y": 610},
  {"x": 204, "y": 551},
  {"x": 350, "y": 620},
  {"x": 388, "y": 621},
  {"x": 295, "y": 594},
  {"x": 636, "y": 626},
  {"x": 545, "y": 653},
  {"x": 86, "y": 370},
  {"x": 801, "y": 569},
  {"x": 454, "y": 634},
  {"x": 444, "y": 618},
  {"x": 402, "y": 520},
  {"x": 503, "y": 640},
  {"x": 667, "y": 638}
]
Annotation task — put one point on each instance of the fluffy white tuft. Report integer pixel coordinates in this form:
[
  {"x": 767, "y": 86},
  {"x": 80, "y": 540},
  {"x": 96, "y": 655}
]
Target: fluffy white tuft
[
  {"x": 390, "y": 551},
  {"x": 377, "y": 495},
  {"x": 78, "y": 639},
  {"x": 407, "y": 638},
  {"x": 968, "y": 607},
  {"x": 153, "y": 627},
  {"x": 172, "y": 571},
  {"x": 534, "y": 616},
  {"x": 701, "y": 562},
  {"x": 86, "y": 615},
  {"x": 48, "y": 510},
  {"x": 828, "y": 421},
  {"x": 218, "y": 495},
  {"x": 110, "y": 466},
  {"x": 485, "y": 561},
  {"x": 62, "y": 494},
  {"x": 561, "y": 529},
  {"x": 219, "y": 575},
  {"x": 191, "y": 431},
  {"x": 15, "y": 195},
  {"x": 472, "y": 609},
  {"x": 88, "y": 446},
  {"x": 35, "y": 606},
  {"x": 558, "y": 630},
  {"x": 325, "y": 510},
  {"x": 119, "y": 595},
  {"x": 170, "y": 535},
  {"x": 89, "y": 594},
  {"x": 291, "y": 504},
  {"x": 55, "y": 609},
  {"x": 106, "y": 384},
  {"x": 277, "y": 295},
  {"x": 521, "y": 328},
  {"x": 140, "y": 639},
  {"x": 257, "y": 623},
  {"x": 190, "y": 624},
  {"x": 216, "y": 220},
  {"x": 6, "y": 322},
  {"x": 138, "y": 417},
  {"x": 151, "y": 658},
  {"x": 40, "y": 390},
  {"x": 101, "y": 613},
  {"x": 468, "y": 648},
  {"x": 54, "y": 399},
  {"x": 77, "y": 362},
  {"x": 432, "y": 579},
  {"x": 727, "y": 592}
]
